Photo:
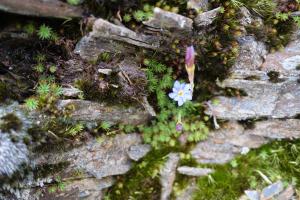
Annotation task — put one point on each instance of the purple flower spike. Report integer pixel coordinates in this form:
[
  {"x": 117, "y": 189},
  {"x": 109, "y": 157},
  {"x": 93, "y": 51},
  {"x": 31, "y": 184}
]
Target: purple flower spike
[
  {"x": 182, "y": 92},
  {"x": 190, "y": 63}
]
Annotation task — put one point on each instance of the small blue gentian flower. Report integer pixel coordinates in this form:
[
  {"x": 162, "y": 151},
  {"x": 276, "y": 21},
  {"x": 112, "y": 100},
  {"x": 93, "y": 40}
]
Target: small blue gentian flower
[{"x": 182, "y": 92}]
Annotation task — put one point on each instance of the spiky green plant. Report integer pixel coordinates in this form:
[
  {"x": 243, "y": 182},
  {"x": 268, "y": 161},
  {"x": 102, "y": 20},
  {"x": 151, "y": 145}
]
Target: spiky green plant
[
  {"x": 31, "y": 103},
  {"x": 43, "y": 89},
  {"x": 45, "y": 32},
  {"x": 139, "y": 15},
  {"x": 127, "y": 18},
  {"x": 39, "y": 68},
  {"x": 52, "y": 69}
]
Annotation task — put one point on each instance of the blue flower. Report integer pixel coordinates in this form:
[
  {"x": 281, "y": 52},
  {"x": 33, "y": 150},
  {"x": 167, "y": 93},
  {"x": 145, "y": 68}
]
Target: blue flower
[{"x": 182, "y": 92}]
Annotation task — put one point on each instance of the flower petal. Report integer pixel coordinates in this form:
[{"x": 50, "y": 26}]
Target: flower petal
[
  {"x": 176, "y": 85},
  {"x": 188, "y": 87},
  {"x": 172, "y": 95},
  {"x": 189, "y": 96},
  {"x": 180, "y": 102}
]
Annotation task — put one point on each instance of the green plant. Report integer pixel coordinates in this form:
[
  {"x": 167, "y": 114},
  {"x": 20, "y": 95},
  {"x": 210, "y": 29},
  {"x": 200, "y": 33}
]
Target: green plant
[
  {"x": 39, "y": 68},
  {"x": 127, "y": 18},
  {"x": 73, "y": 2},
  {"x": 105, "y": 126},
  {"x": 31, "y": 103},
  {"x": 43, "y": 88},
  {"x": 282, "y": 16},
  {"x": 139, "y": 15},
  {"x": 52, "y": 69},
  {"x": 45, "y": 32},
  {"x": 163, "y": 130},
  {"x": 29, "y": 29},
  {"x": 73, "y": 130},
  {"x": 297, "y": 20}
]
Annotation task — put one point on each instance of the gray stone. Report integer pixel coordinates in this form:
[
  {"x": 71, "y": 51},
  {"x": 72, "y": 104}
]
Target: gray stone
[
  {"x": 252, "y": 54},
  {"x": 193, "y": 171},
  {"x": 287, "y": 194},
  {"x": 224, "y": 144},
  {"x": 136, "y": 152},
  {"x": 207, "y": 18},
  {"x": 49, "y": 8},
  {"x": 187, "y": 193},
  {"x": 168, "y": 21},
  {"x": 13, "y": 154},
  {"x": 272, "y": 190},
  {"x": 71, "y": 92},
  {"x": 167, "y": 175},
  {"x": 252, "y": 194},
  {"x": 108, "y": 37},
  {"x": 208, "y": 152},
  {"x": 247, "y": 19},
  {"x": 265, "y": 98},
  {"x": 99, "y": 159},
  {"x": 198, "y": 5},
  {"x": 105, "y": 71},
  {"x": 89, "y": 112}
]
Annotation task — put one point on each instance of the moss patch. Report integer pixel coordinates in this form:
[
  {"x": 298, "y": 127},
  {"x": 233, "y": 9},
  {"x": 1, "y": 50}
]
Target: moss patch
[
  {"x": 279, "y": 160},
  {"x": 10, "y": 122}
]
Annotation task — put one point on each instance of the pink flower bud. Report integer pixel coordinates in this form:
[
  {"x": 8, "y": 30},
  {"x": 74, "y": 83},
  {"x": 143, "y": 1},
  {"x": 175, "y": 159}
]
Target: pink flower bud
[{"x": 190, "y": 63}]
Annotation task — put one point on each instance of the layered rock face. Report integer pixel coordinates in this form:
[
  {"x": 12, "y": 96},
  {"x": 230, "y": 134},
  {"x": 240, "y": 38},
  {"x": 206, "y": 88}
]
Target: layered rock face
[{"x": 270, "y": 81}]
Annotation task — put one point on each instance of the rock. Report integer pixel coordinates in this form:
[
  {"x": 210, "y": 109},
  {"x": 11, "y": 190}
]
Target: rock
[
  {"x": 167, "y": 175},
  {"x": 136, "y": 152},
  {"x": 14, "y": 153},
  {"x": 49, "y": 8},
  {"x": 105, "y": 71},
  {"x": 224, "y": 144},
  {"x": 285, "y": 62},
  {"x": 168, "y": 21},
  {"x": 246, "y": 19},
  {"x": 287, "y": 194},
  {"x": 92, "y": 112},
  {"x": 252, "y": 194},
  {"x": 193, "y": 171},
  {"x": 187, "y": 193},
  {"x": 272, "y": 190},
  {"x": 267, "y": 96},
  {"x": 108, "y": 37},
  {"x": 252, "y": 54},
  {"x": 100, "y": 160},
  {"x": 277, "y": 129},
  {"x": 86, "y": 188},
  {"x": 208, "y": 152},
  {"x": 198, "y": 5},
  {"x": 207, "y": 18},
  {"x": 71, "y": 92},
  {"x": 86, "y": 173}
]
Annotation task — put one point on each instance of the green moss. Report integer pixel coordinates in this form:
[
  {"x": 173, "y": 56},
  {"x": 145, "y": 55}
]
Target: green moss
[
  {"x": 10, "y": 122},
  {"x": 7, "y": 92},
  {"x": 91, "y": 91},
  {"x": 45, "y": 170},
  {"x": 274, "y": 77},
  {"x": 142, "y": 181},
  {"x": 279, "y": 160}
]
